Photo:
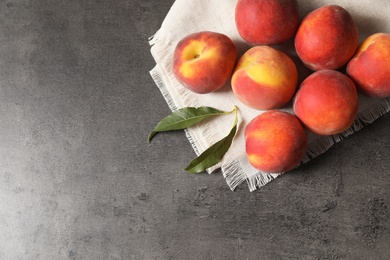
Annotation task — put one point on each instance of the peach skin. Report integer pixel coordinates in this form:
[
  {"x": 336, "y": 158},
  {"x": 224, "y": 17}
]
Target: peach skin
[
  {"x": 264, "y": 78},
  {"x": 326, "y": 102},
  {"x": 370, "y": 66},
  {"x": 327, "y": 38},
  {"x": 266, "y": 21},
  {"x": 204, "y": 61},
  {"x": 275, "y": 141}
]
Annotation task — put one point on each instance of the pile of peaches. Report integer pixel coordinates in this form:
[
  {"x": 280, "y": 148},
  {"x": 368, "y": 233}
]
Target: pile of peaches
[{"x": 265, "y": 78}]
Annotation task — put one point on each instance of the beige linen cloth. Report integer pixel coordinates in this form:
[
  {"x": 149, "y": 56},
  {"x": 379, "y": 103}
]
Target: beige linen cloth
[{"x": 189, "y": 16}]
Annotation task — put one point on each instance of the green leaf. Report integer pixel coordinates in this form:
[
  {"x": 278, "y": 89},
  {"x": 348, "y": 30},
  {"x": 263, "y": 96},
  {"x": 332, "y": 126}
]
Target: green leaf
[
  {"x": 185, "y": 117},
  {"x": 215, "y": 153}
]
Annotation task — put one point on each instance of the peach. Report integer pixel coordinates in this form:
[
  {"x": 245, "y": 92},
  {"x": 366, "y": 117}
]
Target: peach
[
  {"x": 266, "y": 21},
  {"x": 276, "y": 141},
  {"x": 326, "y": 102},
  {"x": 204, "y": 61},
  {"x": 264, "y": 78},
  {"x": 327, "y": 38},
  {"x": 370, "y": 66}
]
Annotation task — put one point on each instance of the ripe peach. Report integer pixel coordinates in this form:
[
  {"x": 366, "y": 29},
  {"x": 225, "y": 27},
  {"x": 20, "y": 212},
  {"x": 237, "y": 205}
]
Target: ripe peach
[
  {"x": 326, "y": 38},
  {"x": 275, "y": 141},
  {"x": 264, "y": 78},
  {"x": 370, "y": 66},
  {"x": 266, "y": 21},
  {"x": 204, "y": 61},
  {"x": 326, "y": 102}
]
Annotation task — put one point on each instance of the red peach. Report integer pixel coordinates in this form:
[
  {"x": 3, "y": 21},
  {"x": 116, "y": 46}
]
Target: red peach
[
  {"x": 275, "y": 141},
  {"x": 370, "y": 66},
  {"x": 204, "y": 61},
  {"x": 266, "y": 21},
  {"x": 326, "y": 38},
  {"x": 264, "y": 78},
  {"x": 326, "y": 102}
]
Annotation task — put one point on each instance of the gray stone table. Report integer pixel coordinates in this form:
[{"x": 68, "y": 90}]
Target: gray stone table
[{"x": 78, "y": 179}]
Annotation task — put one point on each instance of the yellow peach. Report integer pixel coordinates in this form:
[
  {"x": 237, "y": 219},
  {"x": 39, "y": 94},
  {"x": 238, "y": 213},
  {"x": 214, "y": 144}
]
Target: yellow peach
[
  {"x": 275, "y": 141},
  {"x": 266, "y": 21},
  {"x": 326, "y": 102},
  {"x": 370, "y": 66},
  {"x": 326, "y": 38},
  {"x": 264, "y": 78},
  {"x": 204, "y": 61}
]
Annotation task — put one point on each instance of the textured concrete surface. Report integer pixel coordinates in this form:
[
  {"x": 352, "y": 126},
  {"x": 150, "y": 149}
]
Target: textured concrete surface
[{"x": 78, "y": 179}]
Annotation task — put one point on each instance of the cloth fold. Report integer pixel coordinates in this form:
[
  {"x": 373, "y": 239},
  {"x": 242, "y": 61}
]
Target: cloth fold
[{"x": 189, "y": 16}]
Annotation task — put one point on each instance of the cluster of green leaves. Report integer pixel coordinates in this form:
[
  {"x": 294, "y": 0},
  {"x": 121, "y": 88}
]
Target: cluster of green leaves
[{"x": 189, "y": 116}]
